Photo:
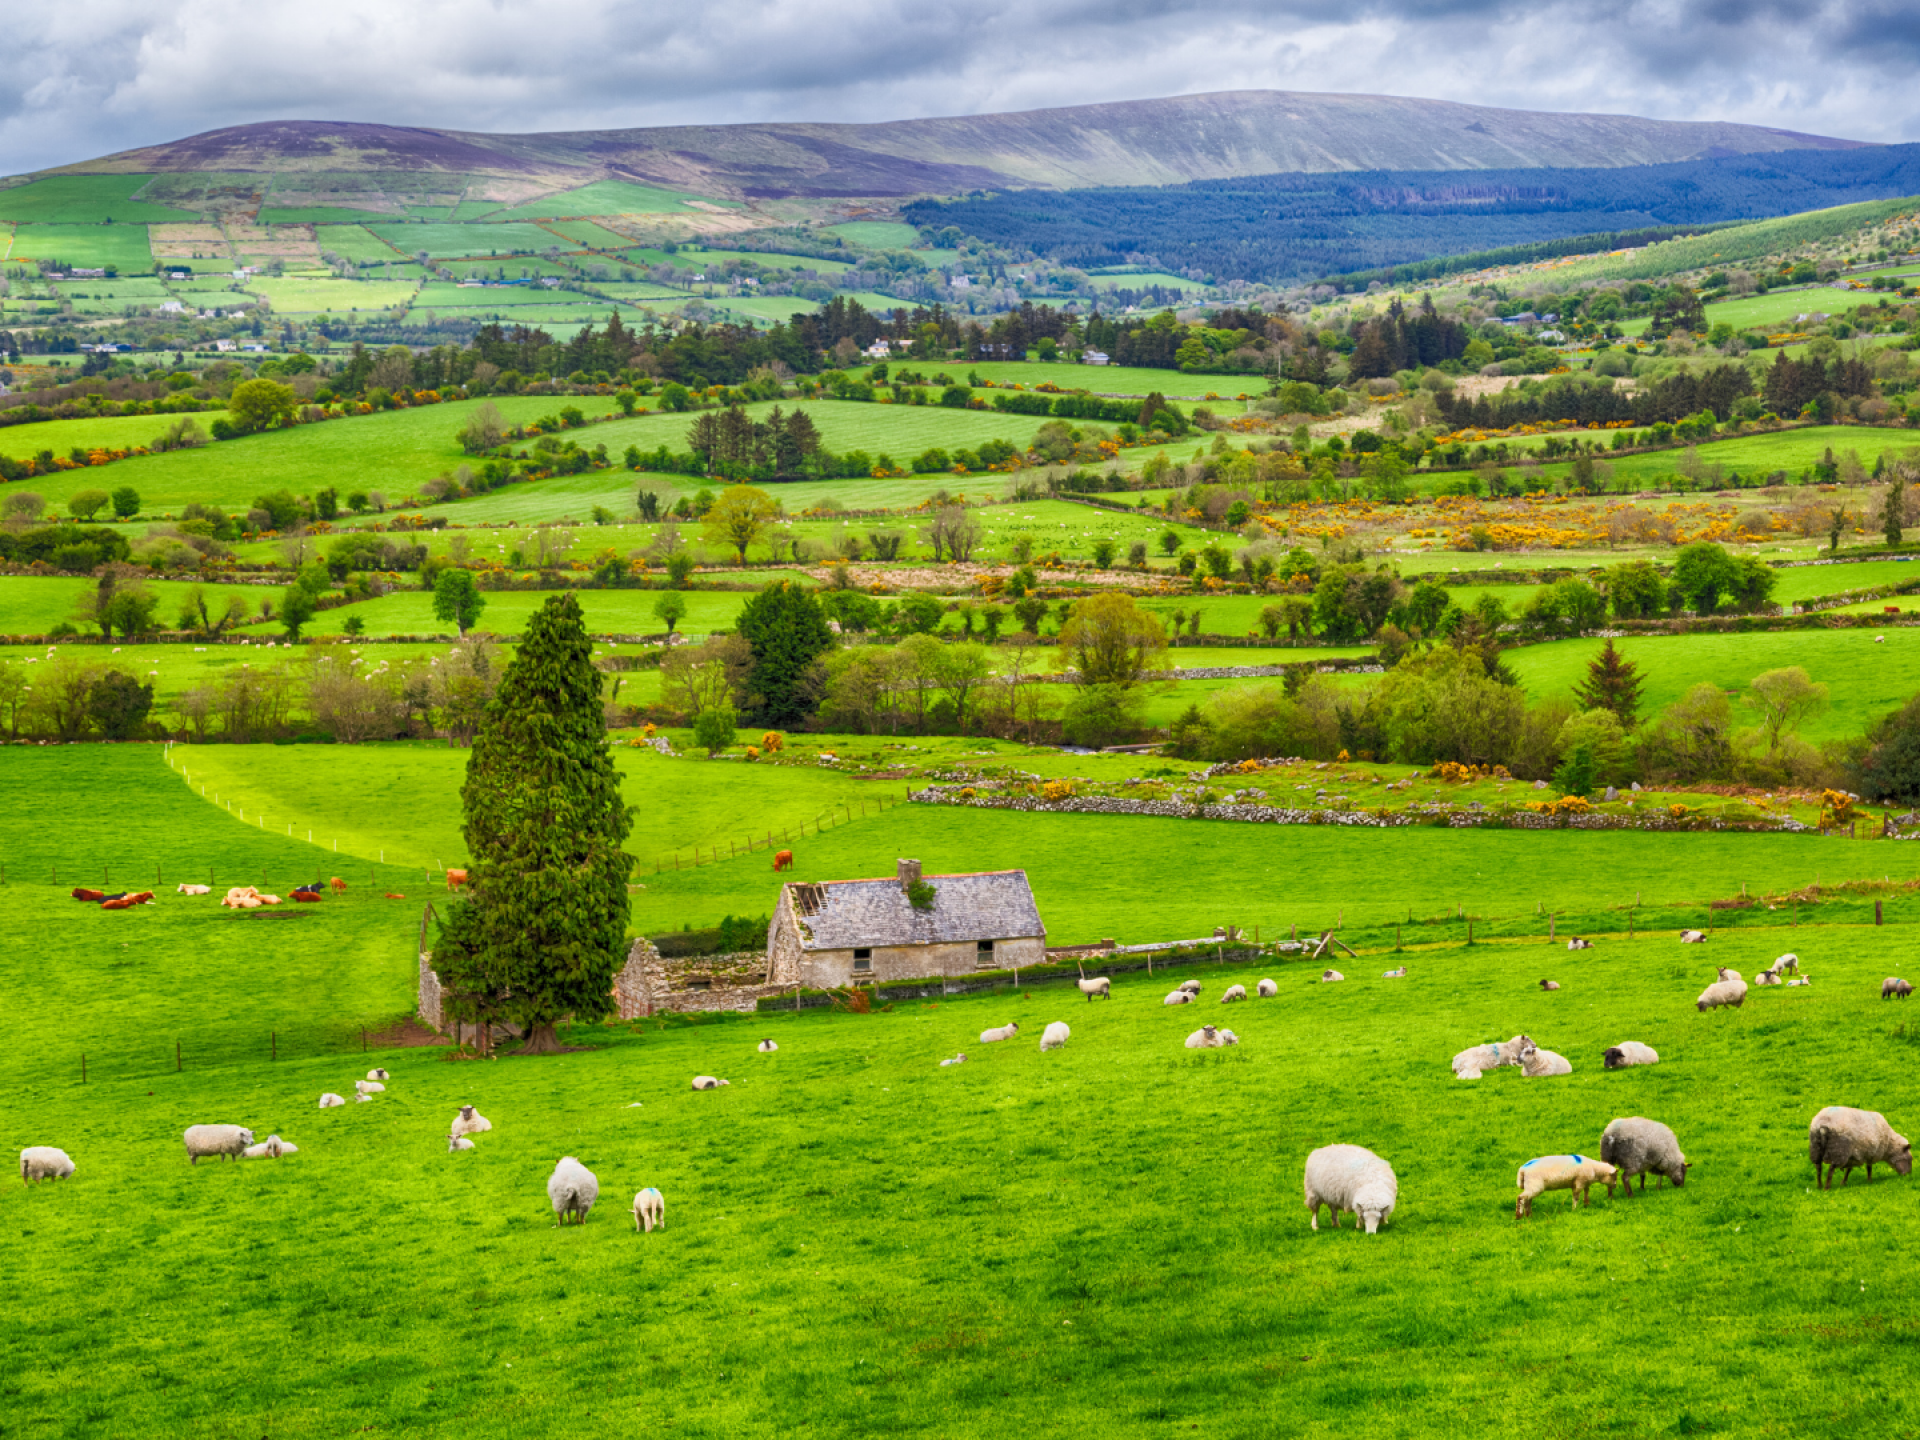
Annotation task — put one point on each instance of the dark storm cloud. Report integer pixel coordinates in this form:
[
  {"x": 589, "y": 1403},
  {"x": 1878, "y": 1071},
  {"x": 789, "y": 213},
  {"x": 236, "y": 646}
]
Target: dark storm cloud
[{"x": 101, "y": 75}]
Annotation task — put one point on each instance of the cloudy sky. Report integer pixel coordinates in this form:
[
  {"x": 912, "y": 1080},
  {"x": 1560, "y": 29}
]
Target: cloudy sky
[{"x": 88, "y": 77}]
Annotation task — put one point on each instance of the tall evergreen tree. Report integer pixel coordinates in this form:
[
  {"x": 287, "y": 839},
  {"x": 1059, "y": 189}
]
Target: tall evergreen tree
[
  {"x": 787, "y": 631},
  {"x": 543, "y": 930},
  {"x": 1613, "y": 683}
]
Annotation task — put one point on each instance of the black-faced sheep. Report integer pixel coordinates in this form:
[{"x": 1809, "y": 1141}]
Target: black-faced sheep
[
  {"x": 1841, "y": 1138},
  {"x": 572, "y": 1188},
  {"x": 1722, "y": 992},
  {"x": 1209, "y": 1037},
  {"x": 44, "y": 1162},
  {"x": 378, "y": 1074},
  {"x": 1576, "y": 943},
  {"x": 708, "y": 1082},
  {"x": 1328, "y": 977},
  {"x": 1099, "y": 985},
  {"x": 227, "y": 1140},
  {"x": 1549, "y": 984},
  {"x": 766, "y": 1047},
  {"x": 1577, "y": 1173},
  {"x": 1350, "y": 1179},
  {"x": 1266, "y": 989},
  {"x": 1178, "y": 997},
  {"x": 1192, "y": 987},
  {"x": 1894, "y": 988},
  {"x": 1693, "y": 937},
  {"x": 1628, "y": 1053},
  {"x": 1003, "y": 1032},
  {"x": 1638, "y": 1146},
  {"x": 469, "y": 1122}
]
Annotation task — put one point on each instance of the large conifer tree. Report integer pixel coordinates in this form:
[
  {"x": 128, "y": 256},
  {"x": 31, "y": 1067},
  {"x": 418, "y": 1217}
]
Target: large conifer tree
[{"x": 1613, "y": 683}]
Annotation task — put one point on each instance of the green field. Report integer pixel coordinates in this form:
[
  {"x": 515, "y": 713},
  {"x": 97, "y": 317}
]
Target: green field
[
  {"x": 117, "y": 432},
  {"x": 602, "y": 197},
  {"x": 876, "y": 234},
  {"x": 308, "y": 296},
  {"x": 589, "y": 234},
  {"x": 465, "y": 240},
  {"x": 1100, "y": 379},
  {"x": 356, "y": 242},
  {"x": 1752, "y": 456},
  {"x": 436, "y": 295},
  {"x": 84, "y": 200},
  {"x": 87, "y": 247}
]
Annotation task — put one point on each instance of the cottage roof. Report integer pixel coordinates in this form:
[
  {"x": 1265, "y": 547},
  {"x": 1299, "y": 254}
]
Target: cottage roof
[{"x": 849, "y": 914}]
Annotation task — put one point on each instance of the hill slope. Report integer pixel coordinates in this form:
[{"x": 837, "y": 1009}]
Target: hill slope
[{"x": 1140, "y": 142}]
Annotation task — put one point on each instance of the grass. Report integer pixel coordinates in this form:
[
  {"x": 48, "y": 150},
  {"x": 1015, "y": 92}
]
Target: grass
[
  {"x": 1753, "y": 455},
  {"x": 876, "y": 234},
  {"x": 465, "y": 240},
  {"x": 356, "y": 242},
  {"x": 602, "y": 197},
  {"x": 437, "y": 295},
  {"x": 1100, "y": 379},
  {"x": 118, "y": 432},
  {"x": 308, "y": 296},
  {"x": 90, "y": 247},
  {"x": 589, "y": 234},
  {"x": 83, "y": 200}
]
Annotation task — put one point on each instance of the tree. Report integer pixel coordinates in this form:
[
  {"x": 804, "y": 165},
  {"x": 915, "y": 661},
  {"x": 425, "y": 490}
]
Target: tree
[
  {"x": 1574, "y": 775},
  {"x": 1635, "y": 590},
  {"x": 739, "y": 518},
  {"x": 85, "y": 504},
  {"x": 1895, "y": 511},
  {"x": 1702, "y": 573},
  {"x": 1613, "y": 683},
  {"x": 1424, "y": 607},
  {"x": 1103, "y": 552},
  {"x": 543, "y": 930},
  {"x": 1169, "y": 541},
  {"x": 259, "y": 405},
  {"x": 714, "y": 729},
  {"x": 958, "y": 670},
  {"x": 118, "y": 601},
  {"x": 694, "y": 678},
  {"x": 786, "y": 631},
  {"x": 457, "y": 598},
  {"x": 1110, "y": 640},
  {"x": 298, "y": 606},
  {"x": 1566, "y": 607},
  {"x": 484, "y": 430},
  {"x": 1889, "y": 770},
  {"x": 126, "y": 502},
  {"x": 670, "y": 607},
  {"x": 1783, "y": 699},
  {"x": 679, "y": 567},
  {"x": 118, "y": 704}
]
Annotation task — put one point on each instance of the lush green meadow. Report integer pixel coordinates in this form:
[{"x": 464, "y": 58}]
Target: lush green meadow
[{"x": 84, "y": 200}]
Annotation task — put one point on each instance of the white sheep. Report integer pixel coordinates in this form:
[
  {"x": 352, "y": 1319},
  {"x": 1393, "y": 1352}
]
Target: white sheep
[
  {"x": 378, "y": 1074},
  {"x": 271, "y": 1148},
  {"x": 1576, "y": 1173},
  {"x": 1576, "y": 943},
  {"x": 1894, "y": 988},
  {"x": 1799, "y": 980},
  {"x": 1350, "y": 1179},
  {"x": 1549, "y": 984},
  {"x": 1227, "y": 1037},
  {"x": 227, "y": 1140},
  {"x": 1638, "y": 1146},
  {"x": 1841, "y": 1137},
  {"x": 766, "y": 1047},
  {"x": 1099, "y": 985},
  {"x": 1728, "y": 973},
  {"x": 1054, "y": 1036},
  {"x": 363, "y": 1099},
  {"x": 572, "y": 1188},
  {"x": 999, "y": 1033},
  {"x": 369, "y": 1087},
  {"x": 1233, "y": 993},
  {"x": 1787, "y": 964},
  {"x": 1765, "y": 977},
  {"x": 44, "y": 1162},
  {"x": 457, "y": 1143},
  {"x": 469, "y": 1122},
  {"x": 1266, "y": 989},
  {"x": 1208, "y": 1037},
  {"x": 1469, "y": 1064},
  {"x": 707, "y": 1082},
  {"x": 1177, "y": 997},
  {"x": 195, "y": 890},
  {"x": 1399, "y": 974},
  {"x": 1628, "y": 1053},
  {"x": 1328, "y": 977},
  {"x": 650, "y": 1208},
  {"x": 1693, "y": 937},
  {"x": 329, "y": 1100},
  {"x": 954, "y": 1060},
  {"x": 1537, "y": 1064},
  {"x": 1722, "y": 992}
]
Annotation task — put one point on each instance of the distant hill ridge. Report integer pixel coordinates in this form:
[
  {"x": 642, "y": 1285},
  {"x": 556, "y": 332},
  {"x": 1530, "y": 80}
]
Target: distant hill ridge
[{"x": 1135, "y": 142}]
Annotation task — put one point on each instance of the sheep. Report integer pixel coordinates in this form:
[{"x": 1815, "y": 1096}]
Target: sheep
[
  {"x": 1209, "y": 1037},
  {"x": 1177, "y": 997},
  {"x": 1628, "y": 1053},
  {"x": 1399, "y": 974},
  {"x": 1100, "y": 985},
  {"x": 378, "y": 1074},
  {"x": 1637, "y": 1146},
  {"x": 1266, "y": 989},
  {"x": 1894, "y": 988},
  {"x": 194, "y": 890},
  {"x": 1561, "y": 1172},
  {"x": 271, "y": 1148},
  {"x": 650, "y": 1208},
  {"x": 999, "y": 1033},
  {"x": 1233, "y": 993},
  {"x": 1054, "y": 1036},
  {"x": 1538, "y": 1064},
  {"x": 1730, "y": 974},
  {"x": 457, "y": 1143},
  {"x": 1549, "y": 984},
  {"x": 1722, "y": 992},
  {"x": 572, "y": 1188},
  {"x": 369, "y": 1087},
  {"x": 329, "y": 1100},
  {"x": 469, "y": 1122},
  {"x": 1798, "y": 980},
  {"x": 1353, "y": 1179},
  {"x": 1576, "y": 943},
  {"x": 1766, "y": 977},
  {"x": 227, "y": 1140},
  {"x": 1328, "y": 977},
  {"x": 1227, "y": 1037},
  {"x": 44, "y": 1162},
  {"x": 1469, "y": 1064},
  {"x": 955, "y": 1060},
  {"x": 1192, "y": 987},
  {"x": 1693, "y": 937},
  {"x": 1787, "y": 964},
  {"x": 766, "y": 1047},
  {"x": 363, "y": 1099},
  {"x": 707, "y": 1082},
  {"x": 1842, "y": 1137}
]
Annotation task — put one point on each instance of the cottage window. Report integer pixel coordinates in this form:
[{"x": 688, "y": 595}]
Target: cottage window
[
  {"x": 985, "y": 947},
  {"x": 862, "y": 964},
  {"x": 863, "y": 954}
]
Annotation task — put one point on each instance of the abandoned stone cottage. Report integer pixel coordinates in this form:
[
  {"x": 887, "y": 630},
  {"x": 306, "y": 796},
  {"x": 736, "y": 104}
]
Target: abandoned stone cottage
[{"x": 850, "y": 932}]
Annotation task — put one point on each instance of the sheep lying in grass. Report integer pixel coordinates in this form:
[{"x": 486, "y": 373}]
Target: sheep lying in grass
[
  {"x": 1470, "y": 1064},
  {"x": 1266, "y": 989},
  {"x": 1638, "y": 1146},
  {"x": 1537, "y": 1064},
  {"x": 469, "y": 1122},
  {"x": 271, "y": 1148},
  {"x": 1233, "y": 993},
  {"x": 1722, "y": 992},
  {"x": 1561, "y": 1172},
  {"x": 329, "y": 1100},
  {"x": 1054, "y": 1036},
  {"x": 1576, "y": 943},
  {"x": 1693, "y": 937},
  {"x": 1841, "y": 1137},
  {"x": 956, "y": 1060},
  {"x": 1628, "y": 1053},
  {"x": 649, "y": 1208},
  {"x": 1192, "y": 987},
  {"x": 1328, "y": 977},
  {"x": 1178, "y": 997},
  {"x": 1799, "y": 980},
  {"x": 1354, "y": 1180},
  {"x": 227, "y": 1140},
  {"x": 457, "y": 1143},
  {"x": 195, "y": 890},
  {"x": 1549, "y": 984},
  {"x": 1209, "y": 1037},
  {"x": 766, "y": 1047},
  {"x": 572, "y": 1188},
  {"x": 1894, "y": 988},
  {"x": 1100, "y": 985},
  {"x": 1728, "y": 973},
  {"x": 44, "y": 1162},
  {"x": 708, "y": 1082},
  {"x": 1766, "y": 977},
  {"x": 378, "y": 1074},
  {"x": 369, "y": 1087},
  {"x": 1003, "y": 1032},
  {"x": 1399, "y": 974}
]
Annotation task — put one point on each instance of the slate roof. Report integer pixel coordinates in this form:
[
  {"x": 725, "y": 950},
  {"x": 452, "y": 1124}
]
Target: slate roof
[{"x": 860, "y": 914}]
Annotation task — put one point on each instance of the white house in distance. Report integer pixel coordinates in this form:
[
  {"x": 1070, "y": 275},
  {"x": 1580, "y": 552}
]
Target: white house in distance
[
  {"x": 1094, "y": 357},
  {"x": 881, "y": 349},
  {"x": 848, "y": 932}
]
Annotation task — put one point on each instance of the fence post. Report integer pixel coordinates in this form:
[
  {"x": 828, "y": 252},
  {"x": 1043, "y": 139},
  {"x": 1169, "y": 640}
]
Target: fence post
[
  {"x": 83, "y": 1067},
  {"x": 176, "y": 1055},
  {"x": 273, "y": 1044},
  {"x": 1469, "y": 932},
  {"x": 1876, "y": 913}
]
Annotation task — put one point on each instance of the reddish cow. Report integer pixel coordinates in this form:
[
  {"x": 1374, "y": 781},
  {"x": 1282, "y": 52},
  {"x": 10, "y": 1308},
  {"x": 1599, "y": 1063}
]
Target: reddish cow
[
  {"x": 92, "y": 897},
  {"x": 455, "y": 879},
  {"x": 783, "y": 860},
  {"x": 338, "y": 884}
]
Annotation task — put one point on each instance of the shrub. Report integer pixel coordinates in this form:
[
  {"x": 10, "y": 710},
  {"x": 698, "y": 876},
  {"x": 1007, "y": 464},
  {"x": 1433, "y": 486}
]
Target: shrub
[{"x": 713, "y": 729}]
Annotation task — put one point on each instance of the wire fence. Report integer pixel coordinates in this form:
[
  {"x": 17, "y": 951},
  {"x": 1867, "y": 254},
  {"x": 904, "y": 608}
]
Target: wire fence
[
  {"x": 843, "y": 813},
  {"x": 206, "y": 1050}
]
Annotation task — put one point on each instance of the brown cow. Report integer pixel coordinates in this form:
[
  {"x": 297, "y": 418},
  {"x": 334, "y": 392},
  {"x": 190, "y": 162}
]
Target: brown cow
[
  {"x": 783, "y": 860},
  {"x": 455, "y": 879},
  {"x": 338, "y": 884}
]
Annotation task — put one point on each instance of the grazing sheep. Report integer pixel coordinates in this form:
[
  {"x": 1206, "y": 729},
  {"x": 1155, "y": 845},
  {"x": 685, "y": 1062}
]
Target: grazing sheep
[
  {"x": 1894, "y": 988},
  {"x": 1628, "y": 1053},
  {"x": 469, "y": 1122},
  {"x": 1100, "y": 985},
  {"x": 1178, "y": 997},
  {"x": 195, "y": 890},
  {"x": 1637, "y": 1146},
  {"x": 1787, "y": 964},
  {"x": 1766, "y": 977},
  {"x": 956, "y": 1060},
  {"x": 707, "y": 1082},
  {"x": 1561, "y": 1172},
  {"x": 650, "y": 1208},
  {"x": 227, "y": 1140},
  {"x": 1233, "y": 993},
  {"x": 1350, "y": 1178},
  {"x": 1842, "y": 1137},
  {"x": 1537, "y": 1064},
  {"x": 271, "y": 1148},
  {"x": 1328, "y": 977},
  {"x": 378, "y": 1075},
  {"x": 572, "y": 1188},
  {"x": 1003, "y": 1032},
  {"x": 1399, "y": 974},
  {"x": 1729, "y": 974},
  {"x": 1693, "y": 937},
  {"x": 1722, "y": 992},
  {"x": 1192, "y": 987},
  {"x": 766, "y": 1047},
  {"x": 458, "y": 1142},
  {"x": 1576, "y": 943},
  {"x": 329, "y": 1100},
  {"x": 369, "y": 1087},
  {"x": 44, "y": 1162},
  {"x": 1054, "y": 1036},
  {"x": 1549, "y": 984},
  {"x": 1798, "y": 980},
  {"x": 1266, "y": 989},
  {"x": 1469, "y": 1064}
]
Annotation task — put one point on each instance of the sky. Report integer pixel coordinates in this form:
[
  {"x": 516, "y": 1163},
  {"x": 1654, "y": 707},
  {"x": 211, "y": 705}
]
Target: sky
[{"x": 89, "y": 77}]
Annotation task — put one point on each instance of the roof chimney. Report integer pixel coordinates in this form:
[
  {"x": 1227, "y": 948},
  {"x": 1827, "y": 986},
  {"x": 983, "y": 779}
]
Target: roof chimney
[{"x": 909, "y": 873}]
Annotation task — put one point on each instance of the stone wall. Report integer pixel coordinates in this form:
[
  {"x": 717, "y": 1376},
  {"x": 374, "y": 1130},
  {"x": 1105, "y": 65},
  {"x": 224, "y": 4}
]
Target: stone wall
[{"x": 431, "y": 1012}]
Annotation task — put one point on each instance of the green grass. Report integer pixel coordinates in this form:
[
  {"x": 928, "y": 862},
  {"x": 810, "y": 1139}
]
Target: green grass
[
  {"x": 765, "y": 259},
  {"x": 876, "y": 234},
  {"x": 1754, "y": 456},
  {"x": 355, "y": 242},
  {"x": 89, "y": 247},
  {"x": 84, "y": 200},
  {"x": 119, "y": 432},
  {"x": 1140, "y": 280},
  {"x": 464, "y": 240},
  {"x": 34, "y": 604},
  {"x": 308, "y": 296},
  {"x": 589, "y": 234},
  {"x": 602, "y": 197},
  {"x": 1100, "y": 379},
  {"x": 438, "y": 294}
]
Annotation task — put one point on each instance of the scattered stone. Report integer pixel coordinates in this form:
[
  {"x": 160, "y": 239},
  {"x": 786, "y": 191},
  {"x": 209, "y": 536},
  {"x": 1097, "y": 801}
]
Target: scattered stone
[
  {"x": 1612, "y": 794},
  {"x": 1539, "y": 784}
]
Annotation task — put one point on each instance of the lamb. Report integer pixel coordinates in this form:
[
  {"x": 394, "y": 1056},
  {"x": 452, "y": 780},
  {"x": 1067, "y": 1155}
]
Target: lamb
[
  {"x": 707, "y": 1082},
  {"x": 1328, "y": 977},
  {"x": 1549, "y": 984},
  {"x": 1192, "y": 987},
  {"x": 955, "y": 1060},
  {"x": 1894, "y": 988},
  {"x": 1353, "y": 1179},
  {"x": 44, "y": 1162},
  {"x": 369, "y": 1087},
  {"x": 1469, "y": 1064},
  {"x": 1399, "y": 974},
  {"x": 457, "y": 1143},
  {"x": 1233, "y": 993},
  {"x": 227, "y": 1140},
  {"x": 766, "y": 1047},
  {"x": 363, "y": 1098},
  {"x": 1787, "y": 964},
  {"x": 271, "y": 1148},
  {"x": 1177, "y": 997},
  {"x": 1576, "y": 943},
  {"x": 650, "y": 1207},
  {"x": 1054, "y": 1036},
  {"x": 572, "y": 1188},
  {"x": 1628, "y": 1053},
  {"x": 378, "y": 1075},
  {"x": 329, "y": 1100},
  {"x": 195, "y": 890},
  {"x": 1798, "y": 980},
  {"x": 1766, "y": 977},
  {"x": 1841, "y": 1138},
  {"x": 1728, "y": 974},
  {"x": 1537, "y": 1064},
  {"x": 1208, "y": 1037},
  {"x": 1637, "y": 1146},
  {"x": 1722, "y": 992},
  {"x": 1266, "y": 989},
  {"x": 1693, "y": 937},
  {"x": 469, "y": 1122},
  {"x": 1561, "y": 1172},
  {"x": 1003, "y": 1032},
  {"x": 1100, "y": 985}
]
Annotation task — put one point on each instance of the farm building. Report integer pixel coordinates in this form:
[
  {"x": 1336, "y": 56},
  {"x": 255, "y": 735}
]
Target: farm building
[{"x": 845, "y": 932}]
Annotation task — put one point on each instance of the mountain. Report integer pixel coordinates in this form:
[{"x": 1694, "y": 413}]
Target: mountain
[{"x": 1136, "y": 142}]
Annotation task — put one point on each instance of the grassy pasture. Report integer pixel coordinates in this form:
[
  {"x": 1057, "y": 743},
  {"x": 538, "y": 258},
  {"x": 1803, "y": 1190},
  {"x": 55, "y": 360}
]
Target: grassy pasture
[
  {"x": 83, "y": 200},
  {"x": 1100, "y": 379},
  {"x": 303, "y": 295},
  {"x": 356, "y": 242},
  {"x": 876, "y": 234},
  {"x": 1754, "y": 455},
  {"x": 602, "y": 197},
  {"x": 469, "y": 241},
  {"x": 120, "y": 432},
  {"x": 34, "y": 604},
  {"x": 90, "y": 247},
  {"x": 589, "y": 234},
  {"x": 438, "y": 294}
]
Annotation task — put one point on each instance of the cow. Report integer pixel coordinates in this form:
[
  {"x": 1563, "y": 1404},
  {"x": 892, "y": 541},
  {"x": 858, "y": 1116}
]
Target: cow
[
  {"x": 338, "y": 884},
  {"x": 783, "y": 860},
  {"x": 392, "y": 896},
  {"x": 455, "y": 879}
]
